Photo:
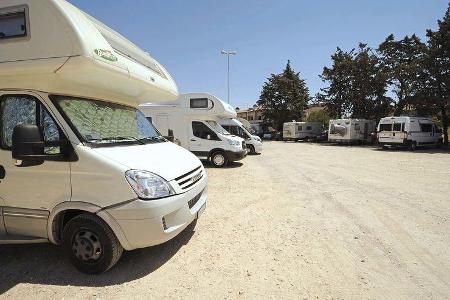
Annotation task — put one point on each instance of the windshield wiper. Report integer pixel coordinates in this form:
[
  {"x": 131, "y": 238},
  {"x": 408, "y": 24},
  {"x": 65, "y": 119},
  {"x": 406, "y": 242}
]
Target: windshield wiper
[{"x": 121, "y": 138}]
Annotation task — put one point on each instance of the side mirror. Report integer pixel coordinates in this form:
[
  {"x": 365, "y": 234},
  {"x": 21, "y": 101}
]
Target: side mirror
[
  {"x": 208, "y": 137},
  {"x": 28, "y": 145}
]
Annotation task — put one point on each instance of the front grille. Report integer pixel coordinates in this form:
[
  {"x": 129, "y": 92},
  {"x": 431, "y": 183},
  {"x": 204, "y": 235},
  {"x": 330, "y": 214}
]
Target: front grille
[
  {"x": 194, "y": 200},
  {"x": 190, "y": 178}
]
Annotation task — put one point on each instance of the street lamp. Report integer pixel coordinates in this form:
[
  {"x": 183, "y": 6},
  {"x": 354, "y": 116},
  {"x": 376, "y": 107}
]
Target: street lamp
[{"x": 228, "y": 53}]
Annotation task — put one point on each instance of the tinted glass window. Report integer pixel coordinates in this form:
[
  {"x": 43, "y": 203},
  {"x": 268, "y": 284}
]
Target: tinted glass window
[
  {"x": 308, "y": 128},
  {"x": 199, "y": 103},
  {"x": 299, "y": 128},
  {"x": 17, "y": 110},
  {"x": 385, "y": 127},
  {"x": 398, "y": 126},
  {"x": 13, "y": 25},
  {"x": 202, "y": 131},
  {"x": 426, "y": 127}
]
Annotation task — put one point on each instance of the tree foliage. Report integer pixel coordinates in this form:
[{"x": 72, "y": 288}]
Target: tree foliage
[
  {"x": 319, "y": 116},
  {"x": 284, "y": 97},
  {"x": 356, "y": 84}
]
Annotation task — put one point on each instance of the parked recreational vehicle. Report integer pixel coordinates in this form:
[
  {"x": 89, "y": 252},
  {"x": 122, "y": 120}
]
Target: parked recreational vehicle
[
  {"x": 411, "y": 132},
  {"x": 294, "y": 131},
  {"x": 80, "y": 165},
  {"x": 233, "y": 126},
  {"x": 193, "y": 122},
  {"x": 351, "y": 130}
]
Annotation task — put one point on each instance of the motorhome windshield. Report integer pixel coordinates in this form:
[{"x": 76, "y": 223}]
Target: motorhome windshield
[
  {"x": 217, "y": 128},
  {"x": 103, "y": 123}
]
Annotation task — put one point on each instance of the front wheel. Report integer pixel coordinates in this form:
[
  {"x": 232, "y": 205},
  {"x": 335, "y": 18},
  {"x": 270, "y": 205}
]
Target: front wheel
[
  {"x": 90, "y": 244},
  {"x": 252, "y": 149},
  {"x": 218, "y": 159},
  {"x": 413, "y": 146}
]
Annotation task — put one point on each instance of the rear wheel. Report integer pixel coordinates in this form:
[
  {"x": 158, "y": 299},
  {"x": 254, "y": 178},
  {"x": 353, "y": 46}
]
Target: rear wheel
[
  {"x": 90, "y": 244},
  {"x": 219, "y": 159},
  {"x": 412, "y": 146},
  {"x": 252, "y": 149}
]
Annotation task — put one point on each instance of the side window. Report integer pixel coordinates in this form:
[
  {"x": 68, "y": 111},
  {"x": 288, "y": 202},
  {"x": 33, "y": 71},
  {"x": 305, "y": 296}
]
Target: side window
[
  {"x": 13, "y": 24},
  {"x": 426, "y": 127},
  {"x": 202, "y": 131},
  {"x": 17, "y": 110},
  {"x": 199, "y": 102},
  {"x": 308, "y": 128},
  {"x": 299, "y": 128}
]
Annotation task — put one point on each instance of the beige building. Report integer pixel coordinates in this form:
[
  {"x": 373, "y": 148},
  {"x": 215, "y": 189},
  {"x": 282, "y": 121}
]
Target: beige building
[{"x": 253, "y": 114}]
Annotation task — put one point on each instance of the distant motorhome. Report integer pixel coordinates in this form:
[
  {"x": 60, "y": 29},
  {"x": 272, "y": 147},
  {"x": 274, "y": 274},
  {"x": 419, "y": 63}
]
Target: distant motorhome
[
  {"x": 295, "y": 131},
  {"x": 351, "y": 131},
  {"x": 234, "y": 126},
  {"x": 410, "y": 132},
  {"x": 193, "y": 121}
]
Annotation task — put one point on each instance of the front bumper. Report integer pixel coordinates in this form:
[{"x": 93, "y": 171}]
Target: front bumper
[
  {"x": 258, "y": 148},
  {"x": 235, "y": 156},
  {"x": 148, "y": 223}
]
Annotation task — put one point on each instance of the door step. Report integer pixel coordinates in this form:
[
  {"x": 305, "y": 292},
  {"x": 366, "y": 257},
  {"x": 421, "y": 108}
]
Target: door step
[{"x": 17, "y": 239}]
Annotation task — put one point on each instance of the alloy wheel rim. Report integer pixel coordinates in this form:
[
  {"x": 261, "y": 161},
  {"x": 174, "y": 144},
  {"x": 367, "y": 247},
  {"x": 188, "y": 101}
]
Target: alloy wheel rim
[{"x": 219, "y": 159}]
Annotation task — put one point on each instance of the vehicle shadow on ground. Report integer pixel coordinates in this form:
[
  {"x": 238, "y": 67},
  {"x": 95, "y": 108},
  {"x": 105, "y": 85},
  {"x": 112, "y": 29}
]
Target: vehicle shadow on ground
[
  {"x": 419, "y": 150},
  {"x": 231, "y": 165},
  {"x": 46, "y": 264}
]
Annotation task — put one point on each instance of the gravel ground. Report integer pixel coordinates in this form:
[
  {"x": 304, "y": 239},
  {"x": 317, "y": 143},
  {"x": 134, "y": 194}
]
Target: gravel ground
[{"x": 301, "y": 220}]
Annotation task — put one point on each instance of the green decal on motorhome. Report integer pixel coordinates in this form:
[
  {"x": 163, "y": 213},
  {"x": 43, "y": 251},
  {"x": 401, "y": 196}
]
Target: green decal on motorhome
[{"x": 106, "y": 54}]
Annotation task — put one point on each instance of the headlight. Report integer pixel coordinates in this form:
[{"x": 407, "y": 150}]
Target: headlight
[
  {"x": 234, "y": 143},
  {"x": 148, "y": 185},
  {"x": 257, "y": 138}
]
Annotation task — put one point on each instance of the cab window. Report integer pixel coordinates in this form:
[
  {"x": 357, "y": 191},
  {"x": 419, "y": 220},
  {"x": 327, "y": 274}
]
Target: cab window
[
  {"x": 22, "y": 109},
  {"x": 202, "y": 131},
  {"x": 385, "y": 127}
]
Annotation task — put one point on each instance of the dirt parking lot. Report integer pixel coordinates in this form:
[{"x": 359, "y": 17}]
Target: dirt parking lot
[{"x": 301, "y": 220}]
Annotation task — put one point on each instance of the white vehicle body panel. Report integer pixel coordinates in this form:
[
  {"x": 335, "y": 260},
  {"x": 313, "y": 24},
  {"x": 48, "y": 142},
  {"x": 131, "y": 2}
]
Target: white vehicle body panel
[
  {"x": 397, "y": 131},
  {"x": 234, "y": 126},
  {"x": 301, "y": 130},
  {"x": 181, "y": 115},
  {"x": 66, "y": 52},
  {"x": 351, "y": 130}
]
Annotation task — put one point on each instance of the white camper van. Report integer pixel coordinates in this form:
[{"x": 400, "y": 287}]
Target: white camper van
[
  {"x": 80, "y": 165},
  {"x": 193, "y": 122},
  {"x": 235, "y": 127},
  {"x": 351, "y": 130},
  {"x": 411, "y": 132},
  {"x": 295, "y": 131}
]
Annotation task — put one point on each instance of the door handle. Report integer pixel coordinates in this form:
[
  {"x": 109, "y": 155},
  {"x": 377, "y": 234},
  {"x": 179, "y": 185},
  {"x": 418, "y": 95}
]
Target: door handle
[
  {"x": 193, "y": 140},
  {"x": 2, "y": 172}
]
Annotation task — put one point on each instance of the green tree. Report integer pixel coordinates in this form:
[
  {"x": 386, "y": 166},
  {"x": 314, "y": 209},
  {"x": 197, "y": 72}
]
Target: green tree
[
  {"x": 284, "y": 97},
  {"x": 319, "y": 116},
  {"x": 356, "y": 85},
  {"x": 438, "y": 70},
  {"x": 403, "y": 61}
]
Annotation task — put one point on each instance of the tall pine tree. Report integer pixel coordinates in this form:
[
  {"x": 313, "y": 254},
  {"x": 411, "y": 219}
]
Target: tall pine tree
[
  {"x": 284, "y": 97},
  {"x": 438, "y": 70}
]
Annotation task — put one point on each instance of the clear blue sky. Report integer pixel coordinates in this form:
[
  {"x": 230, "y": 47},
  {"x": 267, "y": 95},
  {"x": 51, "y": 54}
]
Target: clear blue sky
[{"x": 187, "y": 36}]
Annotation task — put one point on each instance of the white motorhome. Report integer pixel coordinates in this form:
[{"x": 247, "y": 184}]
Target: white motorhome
[
  {"x": 235, "y": 127},
  {"x": 411, "y": 132},
  {"x": 351, "y": 130},
  {"x": 295, "y": 131},
  {"x": 80, "y": 165},
  {"x": 192, "y": 120}
]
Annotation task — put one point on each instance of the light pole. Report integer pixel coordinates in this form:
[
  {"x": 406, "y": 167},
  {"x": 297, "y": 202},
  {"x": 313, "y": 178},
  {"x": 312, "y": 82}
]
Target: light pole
[{"x": 228, "y": 53}]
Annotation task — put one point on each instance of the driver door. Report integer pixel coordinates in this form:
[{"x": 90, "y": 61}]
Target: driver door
[
  {"x": 29, "y": 193},
  {"x": 202, "y": 139}
]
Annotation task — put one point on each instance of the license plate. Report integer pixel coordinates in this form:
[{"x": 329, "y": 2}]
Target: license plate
[{"x": 201, "y": 210}]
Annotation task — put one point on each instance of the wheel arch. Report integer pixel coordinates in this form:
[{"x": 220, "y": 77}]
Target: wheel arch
[{"x": 64, "y": 212}]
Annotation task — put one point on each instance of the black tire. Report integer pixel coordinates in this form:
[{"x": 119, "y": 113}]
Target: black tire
[
  {"x": 82, "y": 234},
  {"x": 252, "y": 149},
  {"x": 219, "y": 159},
  {"x": 439, "y": 144},
  {"x": 412, "y": 146}
]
